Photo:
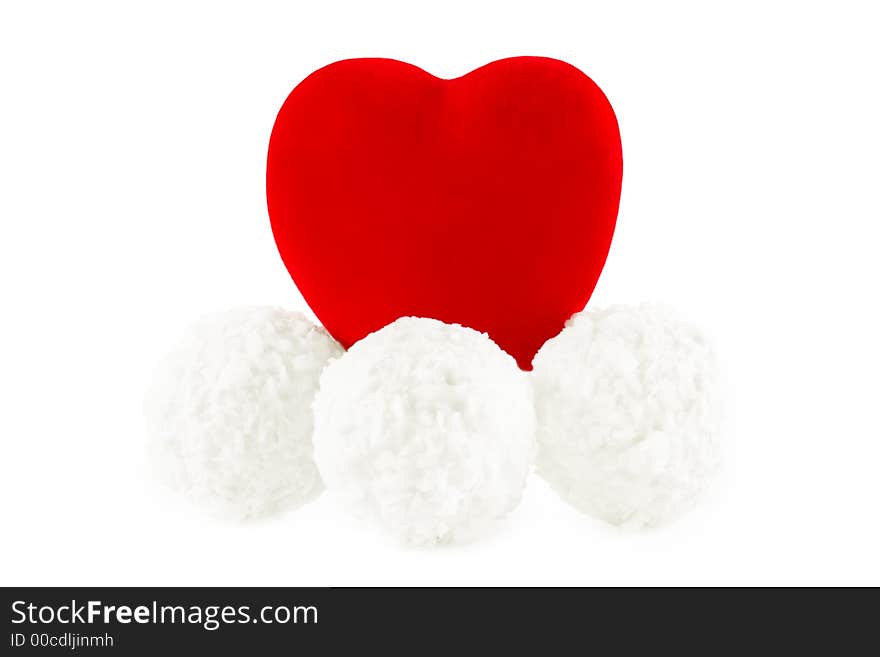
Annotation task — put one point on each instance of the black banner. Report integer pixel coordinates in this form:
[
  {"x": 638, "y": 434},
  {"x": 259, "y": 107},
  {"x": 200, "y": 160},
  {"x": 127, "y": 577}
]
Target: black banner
[{"x": 151, "y": 621}]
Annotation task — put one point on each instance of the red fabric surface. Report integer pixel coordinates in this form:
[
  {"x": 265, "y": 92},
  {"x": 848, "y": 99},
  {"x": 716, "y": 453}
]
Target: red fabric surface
[{"x": 488, "y": 200}]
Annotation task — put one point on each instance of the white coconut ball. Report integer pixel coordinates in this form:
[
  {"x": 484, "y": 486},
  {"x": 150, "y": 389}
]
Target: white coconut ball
[
  {"x": 627, "y": 414},
  {"x": 229, "y": 412},
  {"x": 426, "y": 428}
]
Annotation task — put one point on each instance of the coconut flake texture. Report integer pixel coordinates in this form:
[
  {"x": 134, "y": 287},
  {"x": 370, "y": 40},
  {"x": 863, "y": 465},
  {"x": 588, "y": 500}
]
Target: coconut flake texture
[
  {"x": 627, "y": 414},
  {"x": 229, "y": 412},
  {"x": 426, "y": 428}
]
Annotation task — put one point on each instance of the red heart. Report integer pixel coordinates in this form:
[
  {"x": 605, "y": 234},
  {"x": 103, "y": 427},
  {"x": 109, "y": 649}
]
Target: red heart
[{"x": 488, "y": 200}]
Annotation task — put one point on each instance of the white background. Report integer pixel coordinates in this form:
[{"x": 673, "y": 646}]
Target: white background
[{"x": 132, "y": 162}]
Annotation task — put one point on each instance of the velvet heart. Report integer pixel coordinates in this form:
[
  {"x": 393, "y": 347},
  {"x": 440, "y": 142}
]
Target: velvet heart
[{"x": 488, "y": 200}]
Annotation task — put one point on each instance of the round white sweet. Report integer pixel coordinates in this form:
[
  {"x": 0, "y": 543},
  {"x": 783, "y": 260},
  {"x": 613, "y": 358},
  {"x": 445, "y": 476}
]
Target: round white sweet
[
  {"x": 427, "y": 429},
  {"x": 229, "y": 411},
  {"x": 627, "y": 412}
]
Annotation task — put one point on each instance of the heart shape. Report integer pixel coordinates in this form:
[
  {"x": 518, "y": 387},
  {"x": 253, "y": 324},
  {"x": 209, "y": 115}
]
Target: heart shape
[{"x": 487, "y": 200}]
